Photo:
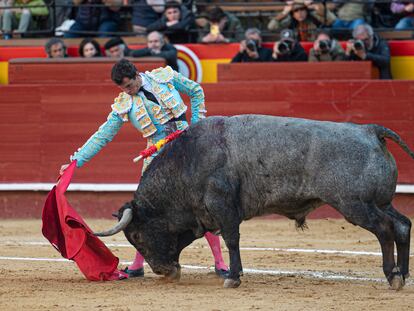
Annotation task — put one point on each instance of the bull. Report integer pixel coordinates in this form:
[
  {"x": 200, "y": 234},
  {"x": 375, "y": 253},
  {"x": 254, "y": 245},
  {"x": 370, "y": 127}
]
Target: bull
[{"x": 224, "y": 170}]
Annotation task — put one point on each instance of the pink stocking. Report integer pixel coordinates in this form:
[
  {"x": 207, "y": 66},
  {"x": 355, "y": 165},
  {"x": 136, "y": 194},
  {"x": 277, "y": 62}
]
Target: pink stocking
[
  {"x": 138, "y": 262},
  {"x": 214, "y": 242}
]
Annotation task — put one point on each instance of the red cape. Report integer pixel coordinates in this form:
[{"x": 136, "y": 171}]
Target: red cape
[{"x": 72, "y": 237}]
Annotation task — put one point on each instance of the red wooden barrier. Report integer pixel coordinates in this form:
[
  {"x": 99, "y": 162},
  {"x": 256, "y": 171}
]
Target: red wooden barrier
[
  {"x": 70, "y": 70},
  {"x": 43, "y": 124},
  {"x": 294, "y": 71}
]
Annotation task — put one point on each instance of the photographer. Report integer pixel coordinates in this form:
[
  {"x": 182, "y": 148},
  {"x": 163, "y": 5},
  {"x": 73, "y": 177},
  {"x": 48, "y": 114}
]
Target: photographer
[
  {"x": 251, "y": 49},
  {"x": 288, "y": 48},
  {"x": 368, "y": 46},
  {"x": 325, "y": 49}
]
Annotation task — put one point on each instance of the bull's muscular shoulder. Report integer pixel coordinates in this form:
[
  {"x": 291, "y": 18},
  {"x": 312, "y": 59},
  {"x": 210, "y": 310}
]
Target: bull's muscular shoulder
[
  {"x": 162, "y": 74},
  {"x": 122, "y": 104}
]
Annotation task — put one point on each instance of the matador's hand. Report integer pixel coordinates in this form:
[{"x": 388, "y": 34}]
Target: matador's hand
[{"x": 63, "y": 168}]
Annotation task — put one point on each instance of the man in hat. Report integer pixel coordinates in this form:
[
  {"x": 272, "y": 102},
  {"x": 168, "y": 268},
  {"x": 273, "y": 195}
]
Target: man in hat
[
  {"x": 116, "y": 48},
  {"x": 303, "y": 17},
  {"x": 288, "y": 49}
]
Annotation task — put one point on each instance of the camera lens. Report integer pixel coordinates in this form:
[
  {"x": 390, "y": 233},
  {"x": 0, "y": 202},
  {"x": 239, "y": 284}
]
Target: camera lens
[
  {"x": 251, "y": 45},
  {"x": 324, "y": 45},
  {"x": 359, "y": 45},
  {"x": 283, "y": 47}
]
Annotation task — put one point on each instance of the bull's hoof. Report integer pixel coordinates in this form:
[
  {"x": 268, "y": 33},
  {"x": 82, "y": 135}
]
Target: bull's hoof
[
  {"x": 175, "y": 275},
  {"x": 396, "y": 281},
  {"x": 230, "y": 283}
]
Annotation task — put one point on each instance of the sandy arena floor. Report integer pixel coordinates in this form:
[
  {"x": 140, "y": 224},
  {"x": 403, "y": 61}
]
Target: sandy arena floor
[{"x": 280, "y": 279}]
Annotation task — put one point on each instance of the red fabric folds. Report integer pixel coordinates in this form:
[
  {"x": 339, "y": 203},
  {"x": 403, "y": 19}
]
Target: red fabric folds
[{"x": 72, "y": 237}]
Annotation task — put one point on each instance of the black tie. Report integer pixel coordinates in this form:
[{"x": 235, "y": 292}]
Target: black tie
[{"x": 148, "y": 95}]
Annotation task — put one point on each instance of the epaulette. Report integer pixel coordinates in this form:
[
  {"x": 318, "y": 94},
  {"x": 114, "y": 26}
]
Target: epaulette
[
  {"x": 122, "y": 104},
  {"x": 162, "y": 74}
]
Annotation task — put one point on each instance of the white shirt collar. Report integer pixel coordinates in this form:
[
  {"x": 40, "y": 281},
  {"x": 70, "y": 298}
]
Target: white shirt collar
[{"x": 145, "y": 83}]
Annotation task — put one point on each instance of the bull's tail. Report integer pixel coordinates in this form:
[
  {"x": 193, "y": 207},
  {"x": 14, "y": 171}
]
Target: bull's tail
[{"x": 383, "y": 132}]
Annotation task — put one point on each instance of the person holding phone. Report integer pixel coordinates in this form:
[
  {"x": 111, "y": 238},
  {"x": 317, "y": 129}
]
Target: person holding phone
[
  {"x": 222, "y": 27},
  {"x": 251, "y": 49}
]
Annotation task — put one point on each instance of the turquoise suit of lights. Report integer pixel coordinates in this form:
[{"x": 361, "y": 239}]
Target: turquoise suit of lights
[{"x": 151, "y": 119}]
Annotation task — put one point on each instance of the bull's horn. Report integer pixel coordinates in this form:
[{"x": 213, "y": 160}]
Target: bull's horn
[{"x": 121, "y": 225}]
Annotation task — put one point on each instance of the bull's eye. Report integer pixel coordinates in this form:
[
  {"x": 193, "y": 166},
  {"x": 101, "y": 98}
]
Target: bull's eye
[{"x": 137, "y": 238}]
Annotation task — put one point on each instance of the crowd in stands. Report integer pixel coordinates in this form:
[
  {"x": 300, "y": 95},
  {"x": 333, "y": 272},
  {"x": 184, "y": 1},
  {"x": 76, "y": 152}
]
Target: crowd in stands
[
  {"x": 185, "y": 21},
  {"x": 165, "y": 23},
  {"x": 117, "y": 48}
]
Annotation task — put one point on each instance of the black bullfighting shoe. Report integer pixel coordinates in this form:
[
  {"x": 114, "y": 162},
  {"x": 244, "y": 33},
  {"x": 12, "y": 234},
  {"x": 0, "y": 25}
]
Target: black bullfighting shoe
[
  {"x": 224, "y": 274},
  {"x": 134, "y": 273}
]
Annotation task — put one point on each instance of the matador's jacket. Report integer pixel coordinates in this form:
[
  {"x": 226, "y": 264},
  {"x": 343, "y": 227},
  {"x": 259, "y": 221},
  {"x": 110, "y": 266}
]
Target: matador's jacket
[{"x": 154, "y": 121}]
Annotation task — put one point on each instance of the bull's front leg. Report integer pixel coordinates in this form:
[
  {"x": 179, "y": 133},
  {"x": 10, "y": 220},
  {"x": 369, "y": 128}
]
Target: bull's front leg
[{"x": 232, "y": 242}]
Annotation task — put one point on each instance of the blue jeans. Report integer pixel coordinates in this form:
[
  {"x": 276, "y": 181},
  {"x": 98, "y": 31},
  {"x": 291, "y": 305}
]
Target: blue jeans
[
  {"x": 105, "y": 26},
  {"x": 338, "y": 23},
  {"x": 405, "y": 23}
]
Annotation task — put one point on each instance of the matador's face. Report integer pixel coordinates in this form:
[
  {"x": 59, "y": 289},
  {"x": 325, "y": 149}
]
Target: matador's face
[{"x": 131, "y": 86}]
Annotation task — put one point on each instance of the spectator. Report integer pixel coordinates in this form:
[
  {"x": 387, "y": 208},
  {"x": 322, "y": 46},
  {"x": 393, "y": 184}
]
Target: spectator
[
  {"x": 93, "y": 18},
  {"x": 251, "y": 49},
  {"x": 288, "y": 49},
  {"x": 326, "y": 49},
  {"x": 116, "y": 48},
  {"x": 55, "y": 48},
  {"x": 156, "y": 46},
  {"x": 176, "y": 23},
  {"x": 63, "y": 11},
  {"x": 350, "y": 14},
  {"x": 303, "y": 17},
  {"x": 382, "y": 16},
  {"x": 405, "y": 9},
  {"x": 222, "y": 27},
  {"x": 21, "y": 16},
  {"x": 89, "y": 48},
  {"x": 144, "y": 13},
  {"x": 3, "y": 3},
  {"x": 368, "y": 46}
]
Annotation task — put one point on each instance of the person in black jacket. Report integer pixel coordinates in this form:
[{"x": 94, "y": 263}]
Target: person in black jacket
[
  {"x": 176, "y": 23},
  {"x": 156, "y": 46},
  {"x": 369, "y": 47},
  {"x": 288, "y": 49},
  {"x": 92, "y": 17},
  {"x": 116, "y": 48},
  {"x": 251, "y": 49}
]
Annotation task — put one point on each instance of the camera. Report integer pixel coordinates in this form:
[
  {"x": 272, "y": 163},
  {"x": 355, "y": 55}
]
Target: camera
[
  {"x": 359, "y": 45},
  {"x": 251, "y": 45},
  {"x": 284, "y": 47},
  {"x": 325, "y": 46}
]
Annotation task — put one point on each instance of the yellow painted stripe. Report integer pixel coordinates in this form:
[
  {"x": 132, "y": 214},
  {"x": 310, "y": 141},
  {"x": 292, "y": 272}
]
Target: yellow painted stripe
[
  {"x": 4, "y": 72},
  {"x": 402, "y": 67},
  {"x": 210, "y": 68}
]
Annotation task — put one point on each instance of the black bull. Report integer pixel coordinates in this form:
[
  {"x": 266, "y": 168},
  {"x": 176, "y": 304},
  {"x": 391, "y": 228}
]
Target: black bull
[{"x": 226, "y": 170}]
